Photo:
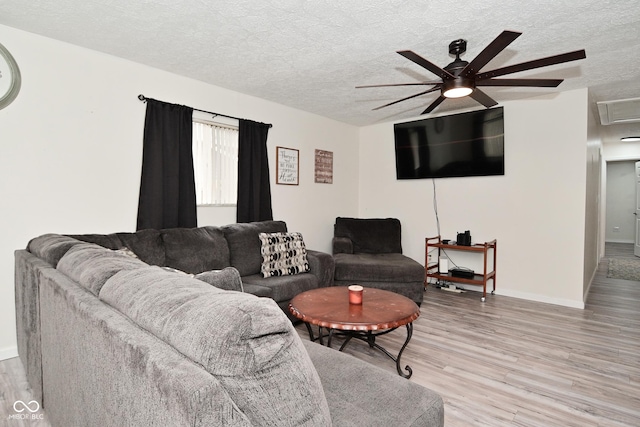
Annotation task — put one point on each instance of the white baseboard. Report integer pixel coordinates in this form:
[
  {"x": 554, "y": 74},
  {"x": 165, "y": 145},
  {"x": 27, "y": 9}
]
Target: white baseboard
[
  {"x": 527, "y": 296},
  {"x": 8, "y": 353},
  {"x": 542, "y": 298}
]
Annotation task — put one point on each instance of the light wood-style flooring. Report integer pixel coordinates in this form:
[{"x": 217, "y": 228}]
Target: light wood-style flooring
[
  {"x": 511, "y": 362},
  {"x": 14, "y": 387},
  {"x": 505, "y": 362}
]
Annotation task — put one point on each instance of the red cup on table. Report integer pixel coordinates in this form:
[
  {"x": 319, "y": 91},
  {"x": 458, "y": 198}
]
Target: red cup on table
[{"x": 355, "y": 294}]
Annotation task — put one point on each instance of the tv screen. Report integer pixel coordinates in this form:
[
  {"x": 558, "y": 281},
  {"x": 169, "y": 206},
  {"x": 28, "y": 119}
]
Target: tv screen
[{"x": 466, "y": 144}]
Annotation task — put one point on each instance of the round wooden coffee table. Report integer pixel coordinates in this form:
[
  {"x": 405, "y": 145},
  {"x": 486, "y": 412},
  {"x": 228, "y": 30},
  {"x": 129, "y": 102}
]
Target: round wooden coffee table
[{"x": 381, "y": 312}]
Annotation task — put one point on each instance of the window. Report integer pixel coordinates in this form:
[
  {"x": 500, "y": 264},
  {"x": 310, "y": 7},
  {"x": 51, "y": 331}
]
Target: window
[{"x": 215, "y": 163}]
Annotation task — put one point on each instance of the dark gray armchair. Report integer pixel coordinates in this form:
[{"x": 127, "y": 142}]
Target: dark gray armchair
[{"x": 369, "y": 252}]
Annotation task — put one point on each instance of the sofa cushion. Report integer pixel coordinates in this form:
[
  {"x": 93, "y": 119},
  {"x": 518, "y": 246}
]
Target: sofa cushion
[
  {"x": 283, "y": 288},
  {"x": 353, "y": 388},
  {"x": 371, "y": 235},
  {"x": 175, "y": 270},
  {"x": 91, "y": 265},
  {"x": 194, "y": 250},
  {"x": 147, "y": 244},
  {"x": 228, "y": 278},
  {"x": 246, "y": 342},
  {"x": 341, "y": 245},
  {"x": 412, "y": 290},
  {"x": 244, "y": 244},
  {"x": 128, "y": 252},
  {"x": 257, "y": 290},
  {"x": 109, "y": 241},
  {"x": 283, "y": 254},
  {"x": 51, "y": 247},
  {"x": 378, "y": 268}
]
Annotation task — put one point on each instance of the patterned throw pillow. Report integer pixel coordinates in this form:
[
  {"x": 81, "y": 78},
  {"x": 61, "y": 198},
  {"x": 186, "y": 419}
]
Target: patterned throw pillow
[{"x": 283, "y": 254}]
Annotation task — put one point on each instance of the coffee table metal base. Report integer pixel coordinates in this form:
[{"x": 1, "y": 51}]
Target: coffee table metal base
[{"x": 367, "y": 336}]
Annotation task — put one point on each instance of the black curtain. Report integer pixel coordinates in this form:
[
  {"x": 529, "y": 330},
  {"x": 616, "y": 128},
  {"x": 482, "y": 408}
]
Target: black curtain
[
  {"x": 254, "y": 191},
  {"x": 167, "y": 187}
]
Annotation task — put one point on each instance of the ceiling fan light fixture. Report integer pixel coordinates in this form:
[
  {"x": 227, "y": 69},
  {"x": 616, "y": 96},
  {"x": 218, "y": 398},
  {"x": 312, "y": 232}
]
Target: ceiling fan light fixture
[
  {"x": 457, "y": 88},
  {"x": 457, "y": 92}
]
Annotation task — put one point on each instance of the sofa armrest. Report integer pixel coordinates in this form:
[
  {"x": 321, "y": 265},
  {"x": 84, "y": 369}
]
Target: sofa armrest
[
  {"x": 322, "y": 266},
  {"x": 354, "y": 389},
  {"x": 342, "y": 245}
]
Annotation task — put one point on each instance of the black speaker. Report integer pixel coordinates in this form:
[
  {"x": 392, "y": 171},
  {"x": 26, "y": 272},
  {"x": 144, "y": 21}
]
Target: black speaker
[{"x": 464, "y": 239}]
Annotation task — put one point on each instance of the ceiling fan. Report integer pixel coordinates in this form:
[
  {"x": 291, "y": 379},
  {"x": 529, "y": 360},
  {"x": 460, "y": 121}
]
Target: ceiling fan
[{"x": 461, "y": 78}]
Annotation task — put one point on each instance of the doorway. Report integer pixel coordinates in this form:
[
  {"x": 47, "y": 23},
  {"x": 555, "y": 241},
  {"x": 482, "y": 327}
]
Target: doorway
[{"x": 620, "y": 202}]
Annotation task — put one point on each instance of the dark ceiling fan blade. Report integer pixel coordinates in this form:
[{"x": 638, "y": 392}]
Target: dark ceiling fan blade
[
  {"x": 434, "y": 104},
  {"x": 445, "y": 75},
  {"x": 433, "y": 89},
  {"x": 401, "y": 84},
  {"x": 520, "y": 82},
  {"x": 490, "y": 52},
  {"x": 483, "y": 98},
  {"x": 537, "y": 63}
]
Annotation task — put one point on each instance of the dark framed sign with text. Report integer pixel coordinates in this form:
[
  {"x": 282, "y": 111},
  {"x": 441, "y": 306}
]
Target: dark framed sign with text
[{"x": 324, "y": 167}]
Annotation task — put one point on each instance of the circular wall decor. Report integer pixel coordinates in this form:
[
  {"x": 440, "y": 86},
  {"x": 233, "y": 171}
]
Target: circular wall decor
[{"x": 9, "y": 78}]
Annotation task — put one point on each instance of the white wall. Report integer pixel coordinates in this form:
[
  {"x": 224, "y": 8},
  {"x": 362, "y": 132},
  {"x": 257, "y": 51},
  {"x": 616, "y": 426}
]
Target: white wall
[
  {"x": 592, "y": 253},
  {"x": 536, "y": 210},
  {"x": 618, "y": 150},
  {"x": 72, "y": 150}
]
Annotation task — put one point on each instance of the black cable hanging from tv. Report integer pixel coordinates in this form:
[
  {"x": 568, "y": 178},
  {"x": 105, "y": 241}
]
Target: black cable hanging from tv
[{"x": 143, "y": 98}]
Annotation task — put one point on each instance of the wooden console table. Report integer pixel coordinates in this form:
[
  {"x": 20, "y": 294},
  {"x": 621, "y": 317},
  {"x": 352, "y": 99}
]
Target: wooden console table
[{"x": 433, "y": 270}]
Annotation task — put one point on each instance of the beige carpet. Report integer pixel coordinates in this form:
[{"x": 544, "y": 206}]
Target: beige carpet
[{"x": 626, "y": 269}]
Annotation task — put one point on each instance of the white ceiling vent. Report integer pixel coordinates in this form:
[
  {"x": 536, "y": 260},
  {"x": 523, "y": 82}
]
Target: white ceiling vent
[{"x": 619, "y": 111}]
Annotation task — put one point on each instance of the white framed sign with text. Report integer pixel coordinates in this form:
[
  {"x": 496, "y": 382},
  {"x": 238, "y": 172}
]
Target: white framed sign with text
[{"x": 287, "y": 166}]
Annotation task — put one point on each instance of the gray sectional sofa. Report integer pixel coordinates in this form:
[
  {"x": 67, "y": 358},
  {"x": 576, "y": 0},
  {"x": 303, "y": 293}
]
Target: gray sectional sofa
[
  {"x": 108, "y": 339},
  {"x": 201, "y": 249}
]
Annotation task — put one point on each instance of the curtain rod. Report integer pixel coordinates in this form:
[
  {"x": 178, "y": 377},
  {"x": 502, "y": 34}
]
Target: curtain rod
[{"x": 143, "y": 98}]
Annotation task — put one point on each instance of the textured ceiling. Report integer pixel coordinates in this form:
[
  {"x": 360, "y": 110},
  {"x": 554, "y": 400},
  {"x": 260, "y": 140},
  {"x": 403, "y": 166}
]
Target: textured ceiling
[{"x": 311, "y": 54}]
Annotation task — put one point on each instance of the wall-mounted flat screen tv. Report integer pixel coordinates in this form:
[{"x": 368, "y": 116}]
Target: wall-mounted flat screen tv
[{"x": 466, "y": 144}]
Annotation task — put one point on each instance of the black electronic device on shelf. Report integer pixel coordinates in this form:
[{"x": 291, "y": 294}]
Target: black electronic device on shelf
[
  {"x": 464, "y": 239},
  {"x": 462, "y": 272}
]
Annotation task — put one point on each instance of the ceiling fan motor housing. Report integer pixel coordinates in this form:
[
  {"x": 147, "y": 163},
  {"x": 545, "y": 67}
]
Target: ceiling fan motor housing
[{"x": 456, "y": 66}]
